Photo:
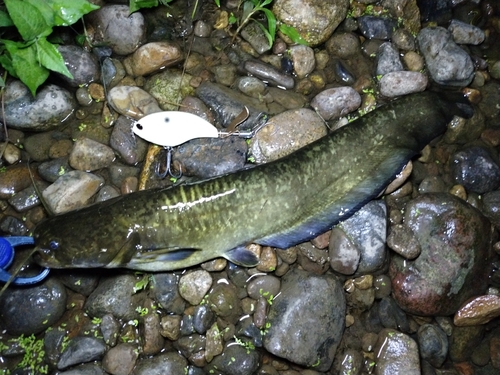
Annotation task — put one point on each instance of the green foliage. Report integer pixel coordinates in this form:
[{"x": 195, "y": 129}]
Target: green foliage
[
  {"x": 135, "y": 5},
  {"x": 33, "y": 354},
  {"x": 252, "y": 7},
  {"x": 32, "y": 57}
]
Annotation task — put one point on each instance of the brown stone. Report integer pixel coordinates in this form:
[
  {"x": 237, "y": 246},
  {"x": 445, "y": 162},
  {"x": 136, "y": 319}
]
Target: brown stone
[{"x": 480, "y": 310}]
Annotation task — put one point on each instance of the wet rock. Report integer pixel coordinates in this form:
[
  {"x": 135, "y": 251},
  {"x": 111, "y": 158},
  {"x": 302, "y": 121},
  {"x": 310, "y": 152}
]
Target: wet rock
[
  {"x": 165, "y": 290},
  {"x": 152, "y": 57},
  {"x": 433, "y": 344},
  {"x": 286, "y": 133},
  {"x": 303, "y": 60},
  {"x": 475, "y": 169},
  {"x": 116, "y": 296},
  {"x": 32, "y": 309},
  {"x": 448, "y": 64},
  {"x": 81, "y": 350},
  {"x": 391, "y": 315},
  {"x": 263, "y": 286},
  {"x": 343, "y": 44},
  {"x": 121, "y": 359},
  {"x": 27, "y": 198},
  {"x": 254, "y": 35},
  {"x": 388, "y": 59},
  {"x": 464, "y": 33},
  {"x": 451, "y": 266},
  {"x": 193, "y": 286},
  {"x": 351, "y": 363},
  {"x": 224, "y": 302},
  {"x": 110, "y": 328},
  {"x": 165, "y": 363},
  {"x": 38, "y": 145},
  {"x": 251, "y": 86},
  {"x": 132, "y": 101},
  {"x": 312, "y": 259},
  {"x": 291, "y": 335},
  {"x": 343, "y": 73},
  {"x": 224, "y": 74},
  {"x": 336, "y": 102},
  {"x": 71, "y": 191},
  {"x": 209, "y": 157},
  {"x": 344, "y": 254},
  {"x": 203, "y": 318},
  {"x": 47, "y": 110},
  {"x": 287, "y": 99},
  {"x": 229, "y": 104},
  {"x": 382, "y": 286},
  {"x": 479, "y": 310},
  {"x": 462, "y": 342},
  {"x": 403, "y": 241},
  {"x": 490, "y": 94},
  {"x": 81, "y": 64},
  {"x": 403, "y": 39},
  {"x": 86, "y": 369},
  {"x": 89, "y": 155},
  {"x": 14, "y": 179},
  {"x": 169, "y": 87},
  {"x": 235, "y": 360},
  {"x": 397, "y": 353},
  {"x": 366, "y": 229},
  {"x": 315, "y": 22},
  {"x": 117, "y": 28},
  {"x": 131, "y": 149},
  {"x": 152, "y": 338},
  {"x": 373, "y": 27},
  {"x": 396, "y": 84},
  {"x": 79, "y": 281},
  {"x": 269, "y": 73},
  {"x": 214, "y": 345}
]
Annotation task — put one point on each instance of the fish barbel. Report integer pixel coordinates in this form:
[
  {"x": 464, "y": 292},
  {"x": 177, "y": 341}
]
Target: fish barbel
[{"x": 279, "y": 204}]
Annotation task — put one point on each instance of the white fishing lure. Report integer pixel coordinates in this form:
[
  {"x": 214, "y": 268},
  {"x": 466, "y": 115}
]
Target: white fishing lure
[{"x": 172, "y": 128}]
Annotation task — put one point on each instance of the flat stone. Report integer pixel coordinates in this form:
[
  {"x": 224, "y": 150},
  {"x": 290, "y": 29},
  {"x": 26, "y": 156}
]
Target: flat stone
[{"x": 480, "y": 310}]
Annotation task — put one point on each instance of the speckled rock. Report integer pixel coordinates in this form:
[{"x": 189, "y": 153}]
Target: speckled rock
[
  {"x": 152, "y": 57},
  {"x": 448, "y": 64},
  {"x": 336, "y": 102},
  {"x": 47, "y": 110},
  {"x": 71, "y": 191},
  {"x": 315, "y": 21},
  {"x": 455, "y": 242},
  {"x": 286, "y": 133},
  {"x": 117, "y": 28},
  {"x": 397, "y": 353},
  {"x": 89, "y": 155},
  {"x": 292, "y": 335}
]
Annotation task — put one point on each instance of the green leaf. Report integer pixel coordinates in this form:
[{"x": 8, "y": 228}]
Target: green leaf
[
  {"x": 44, "y": 9},
  {"x": 270, "y": 38},
  {"x": 67, "y": 12},
  {"x": 271, "y": 23},
  {"x": 6, "y": 63},
  {"x": 248, "y": 9},
  {"x": 49, "y": 57},
  {"x": 28, "y": 69},
  {"x": 5, "y": 19},
  {"x": 293, "y": 34},
  {"x": 135, "y": 5},
  {"x": 28, "y": 19}
]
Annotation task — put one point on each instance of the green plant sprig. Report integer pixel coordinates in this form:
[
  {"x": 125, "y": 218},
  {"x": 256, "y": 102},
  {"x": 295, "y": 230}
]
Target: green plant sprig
[{"x": 31, "y": 58}]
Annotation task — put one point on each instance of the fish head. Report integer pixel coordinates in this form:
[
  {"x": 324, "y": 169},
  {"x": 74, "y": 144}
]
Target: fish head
[{"x": 74, "y": 241}]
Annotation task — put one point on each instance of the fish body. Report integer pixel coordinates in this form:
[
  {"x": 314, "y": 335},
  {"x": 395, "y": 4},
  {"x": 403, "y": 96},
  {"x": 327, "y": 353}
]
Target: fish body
[{"x": 279, "y": 204}]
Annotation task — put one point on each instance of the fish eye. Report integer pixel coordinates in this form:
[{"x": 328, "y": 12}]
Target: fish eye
[
  {"x": 167, "y": 119},
  {"x": 139, "y": 126},
  {"x": 53, "y": 245}
]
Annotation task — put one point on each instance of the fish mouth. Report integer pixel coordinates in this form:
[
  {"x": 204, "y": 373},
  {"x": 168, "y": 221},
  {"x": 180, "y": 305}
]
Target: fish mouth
[{"x": 44, "y": 258}]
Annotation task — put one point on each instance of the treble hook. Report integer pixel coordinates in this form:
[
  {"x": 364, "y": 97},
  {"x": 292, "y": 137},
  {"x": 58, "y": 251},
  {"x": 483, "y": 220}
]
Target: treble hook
[
  {"x": 7, "y": 245},
  {"x": 168, "y": 166}
]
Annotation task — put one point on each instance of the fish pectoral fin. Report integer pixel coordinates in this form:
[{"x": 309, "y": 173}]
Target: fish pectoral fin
[
  {"x": 241, "y": 256},
  {"x": 165, "y": 255},
  {"x": 126, "y": 252}
]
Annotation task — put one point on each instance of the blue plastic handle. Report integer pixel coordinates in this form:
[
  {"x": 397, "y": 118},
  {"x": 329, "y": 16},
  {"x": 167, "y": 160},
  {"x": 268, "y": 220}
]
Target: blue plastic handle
[{"x": 7, "y": 245}]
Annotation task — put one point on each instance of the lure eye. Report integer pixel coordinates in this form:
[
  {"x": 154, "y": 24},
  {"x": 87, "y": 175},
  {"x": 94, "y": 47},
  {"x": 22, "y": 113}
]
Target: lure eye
[
  {"x": 139, "y": 126},
  {"x": 53, "y": 245}
]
